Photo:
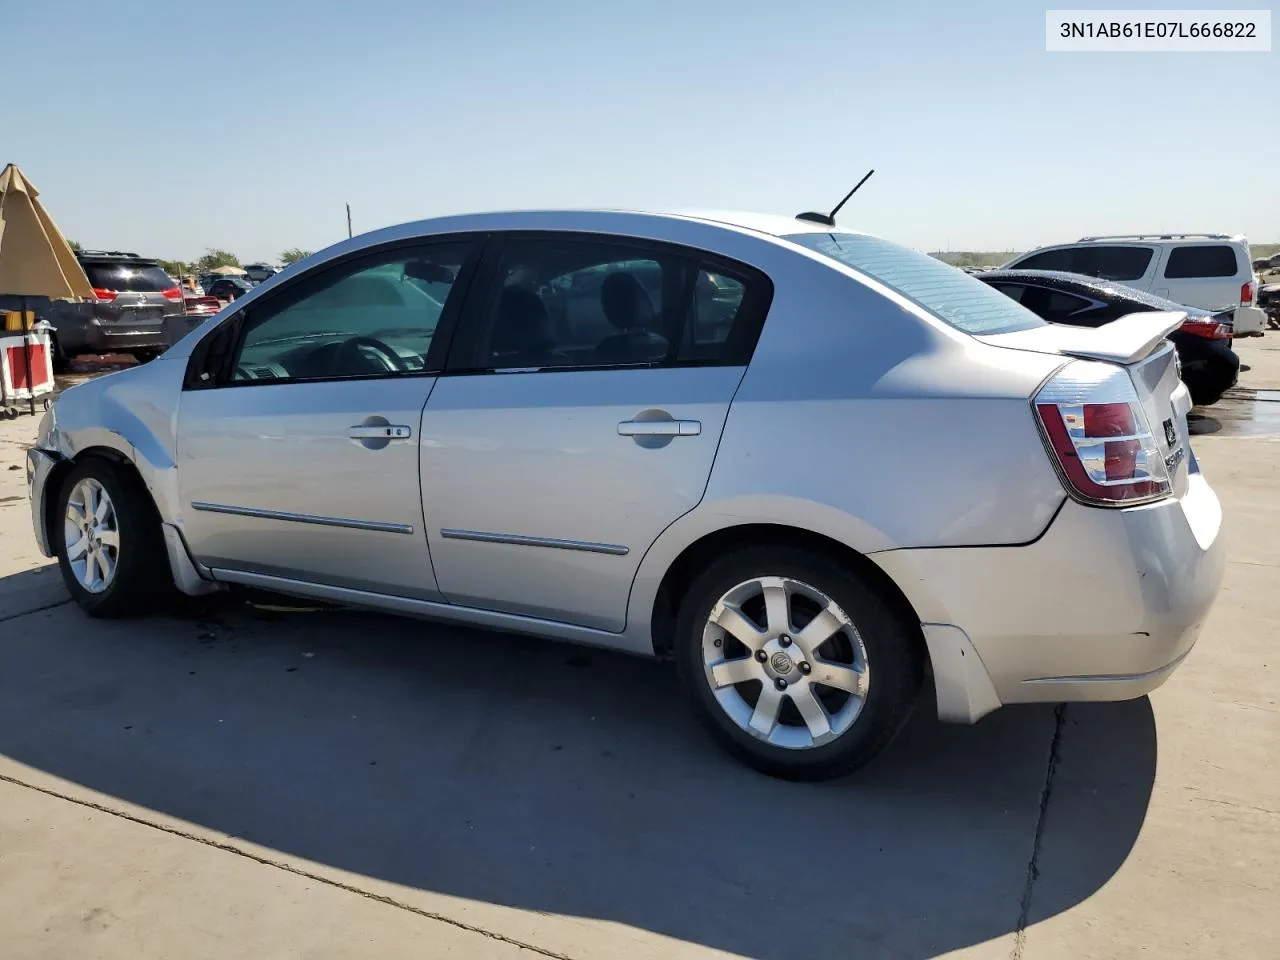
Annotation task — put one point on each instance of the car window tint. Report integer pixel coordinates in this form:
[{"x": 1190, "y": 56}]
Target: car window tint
[
  {"x": 1048, "y": 260},
  {"x": 1013, "y": 291},
  {"x": 951, "y": 295},
  {"x": 1210, "y": 260},
  {"x": 1053, "y": 305},
  {"x": 561, "y": 302},
  {"x": 373, "y": 318},
  {"x": 127, "y": 278},
  {"x": 1106, "y": 262}
]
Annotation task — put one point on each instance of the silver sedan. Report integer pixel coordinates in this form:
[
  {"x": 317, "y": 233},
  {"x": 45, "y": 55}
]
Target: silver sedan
[{"x": 810, "y": 466}]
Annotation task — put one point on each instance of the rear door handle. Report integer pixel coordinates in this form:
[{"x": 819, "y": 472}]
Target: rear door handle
[
  {"x": 390, "y": 431},
  {"x": 660, "y": 428}
]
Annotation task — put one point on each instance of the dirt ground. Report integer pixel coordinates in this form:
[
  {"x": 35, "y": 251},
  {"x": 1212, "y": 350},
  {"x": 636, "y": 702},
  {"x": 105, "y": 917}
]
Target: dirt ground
[{"x": 250, "y": 784}]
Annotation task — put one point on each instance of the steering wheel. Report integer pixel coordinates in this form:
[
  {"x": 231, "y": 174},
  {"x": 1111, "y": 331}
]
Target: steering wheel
[{"x": 350, "y": 350}]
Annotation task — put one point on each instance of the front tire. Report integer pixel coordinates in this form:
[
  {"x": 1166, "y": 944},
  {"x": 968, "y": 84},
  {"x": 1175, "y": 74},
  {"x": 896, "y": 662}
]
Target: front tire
[
  {"x": 109, "y": 545},
  {"x": 794, "y": 664}
]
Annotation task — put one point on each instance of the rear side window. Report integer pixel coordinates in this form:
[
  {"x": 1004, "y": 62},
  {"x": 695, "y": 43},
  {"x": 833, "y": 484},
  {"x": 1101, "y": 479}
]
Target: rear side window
[
  {"x": 1108, "y": 263},
  {"x": 1210, "y": 260},
  {"x": 951, "y": 295},
  {"x": 127, "y": 277},
  {"x": 560, "y": 302}
]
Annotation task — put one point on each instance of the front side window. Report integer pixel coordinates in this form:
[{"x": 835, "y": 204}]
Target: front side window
[
  {"x": 570, "y": 302},
  {"x": 373, "y": 317},
  {"x": 951, "y": 295},
  {"x": 1209, "y": 260}
]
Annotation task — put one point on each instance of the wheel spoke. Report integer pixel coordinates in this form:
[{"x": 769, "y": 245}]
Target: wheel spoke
[
  {"x": 90, "y": 500},
  {"x": 837, "y": 675},
  {"x": 726, "y": 673},
  {"x": 818, "y": 631},
  {"x": 810, "y": 707},
  {"x": 776, "y": 608},
  {"x": 77, "y": 550},
  {"x": 110, "y": 538},
  {"x": 733, "y": 622},
  {"x": 76, "y": 514},
  {"x": 101, "y": 509},
  {"x": 765, "y": 716}
]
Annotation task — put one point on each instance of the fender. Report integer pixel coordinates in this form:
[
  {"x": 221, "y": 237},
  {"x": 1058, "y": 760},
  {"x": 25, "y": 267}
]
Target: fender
[{"x": 714, "y": 517}]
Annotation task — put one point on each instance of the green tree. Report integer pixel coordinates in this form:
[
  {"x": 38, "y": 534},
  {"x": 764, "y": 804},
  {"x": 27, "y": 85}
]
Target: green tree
[
  {"x": 74, "y": 246},
  {"x": 291, "y": 256},
  {"x": 174, "y": 268},
  {"x": 217, "y": 258}
]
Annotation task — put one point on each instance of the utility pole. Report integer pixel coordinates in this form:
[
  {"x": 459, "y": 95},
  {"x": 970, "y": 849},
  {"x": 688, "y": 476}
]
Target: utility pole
[{"x": 348, "y": 221}]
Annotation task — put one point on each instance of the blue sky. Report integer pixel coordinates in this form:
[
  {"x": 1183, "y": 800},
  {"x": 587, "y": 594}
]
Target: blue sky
[{"x": 154, "y": 129}]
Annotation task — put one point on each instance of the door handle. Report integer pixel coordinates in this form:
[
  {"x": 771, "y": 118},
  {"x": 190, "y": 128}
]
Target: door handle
[
  {"x": 390, "y": 431},
  {"x": 660, "y": 428}
]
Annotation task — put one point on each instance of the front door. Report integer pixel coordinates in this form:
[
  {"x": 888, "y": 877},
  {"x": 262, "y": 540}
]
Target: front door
[
  {"x": 579, "y": 419},
  {"x": 298, "y": 452}
]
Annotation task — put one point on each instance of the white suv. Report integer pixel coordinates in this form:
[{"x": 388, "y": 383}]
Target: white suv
[{"x": 1207, "y": 270}]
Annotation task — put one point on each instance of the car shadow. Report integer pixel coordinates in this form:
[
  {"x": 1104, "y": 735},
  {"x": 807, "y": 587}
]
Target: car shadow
[
  {"x": 565, "y": 781},
  {"x": 1201, "y": 424}
]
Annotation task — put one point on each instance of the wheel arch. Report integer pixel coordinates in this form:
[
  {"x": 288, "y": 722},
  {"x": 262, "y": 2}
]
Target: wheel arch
[{"x": 682, "y": 571}]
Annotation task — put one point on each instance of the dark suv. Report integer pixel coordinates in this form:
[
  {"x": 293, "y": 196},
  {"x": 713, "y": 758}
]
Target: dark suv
[{"x": 134, "y": 295}]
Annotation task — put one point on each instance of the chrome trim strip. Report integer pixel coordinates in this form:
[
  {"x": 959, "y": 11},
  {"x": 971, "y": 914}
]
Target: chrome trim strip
[
  {"x": 376, "y": 526},
  {"x": 520, "y": 540}
]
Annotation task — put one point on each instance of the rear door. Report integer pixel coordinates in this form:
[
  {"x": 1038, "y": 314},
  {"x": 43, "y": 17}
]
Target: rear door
[
  {"x": 1206, "y": 275},
  {"x": 579, "y": 417}
]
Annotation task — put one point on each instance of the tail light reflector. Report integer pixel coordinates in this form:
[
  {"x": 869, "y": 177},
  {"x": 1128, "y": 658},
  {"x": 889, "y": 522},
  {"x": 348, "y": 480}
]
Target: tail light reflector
[
  {"x": 1096, "y": 431},
  {"x": 1246, "y": 293},
  {"x": 104, "y": 295},
  {"x": 173, "y": 295}
]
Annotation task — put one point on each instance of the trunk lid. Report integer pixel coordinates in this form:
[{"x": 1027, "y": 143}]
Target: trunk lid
[{"x": 1137, "y": 343}]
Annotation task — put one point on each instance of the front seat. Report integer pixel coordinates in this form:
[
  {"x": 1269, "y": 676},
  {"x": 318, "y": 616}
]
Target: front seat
[
  {"x": 521, "y": 332},
  {"x": 627, "y": 307}
]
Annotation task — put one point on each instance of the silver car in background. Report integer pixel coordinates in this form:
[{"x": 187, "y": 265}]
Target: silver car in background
[{"x": 810, "y": 466}]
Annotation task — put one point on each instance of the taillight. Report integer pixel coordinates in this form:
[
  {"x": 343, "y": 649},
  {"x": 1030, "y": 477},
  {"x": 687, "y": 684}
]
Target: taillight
[
  {"x": 173, "y": 295},
  {"x": 104, "y": 295},
  {"x": 1246, "y": 293},
  {"x": 1209, "y": 328},
  {"x": 1095, "y": 428}
]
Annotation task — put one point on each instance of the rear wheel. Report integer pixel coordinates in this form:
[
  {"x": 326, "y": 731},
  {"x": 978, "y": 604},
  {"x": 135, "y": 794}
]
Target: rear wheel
[
  {"x": 794, "y": 664},
  {"x": 109, "y": 545}
]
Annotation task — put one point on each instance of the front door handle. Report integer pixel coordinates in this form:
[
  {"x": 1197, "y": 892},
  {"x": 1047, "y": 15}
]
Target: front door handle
[
  {"x": 660, "y": 428},
  {"x": 391, "y": 431}
]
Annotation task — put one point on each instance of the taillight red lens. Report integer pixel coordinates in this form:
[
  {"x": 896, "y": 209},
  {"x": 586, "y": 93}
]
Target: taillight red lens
[
  {"x": 1094, "y": 426},
  {"x": 104, "y": 295},
  {"x": 1246, "y": 293},
  {"x": 173, "y": 295},
  {"x": 1208, "y": 328}
]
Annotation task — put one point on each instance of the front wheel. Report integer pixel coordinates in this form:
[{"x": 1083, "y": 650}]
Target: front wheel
[
  {"x": 794, "y": 664},
  {"x": 110, "y": 549}
]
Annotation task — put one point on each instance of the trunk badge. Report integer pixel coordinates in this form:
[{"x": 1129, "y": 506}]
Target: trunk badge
[{"x": 1170, "y": 434}]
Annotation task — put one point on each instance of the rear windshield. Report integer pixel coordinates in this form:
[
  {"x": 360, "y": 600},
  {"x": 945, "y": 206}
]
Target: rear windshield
[
  {"x": 950, "y": 294},
  {"x": 127, "y": 277}
]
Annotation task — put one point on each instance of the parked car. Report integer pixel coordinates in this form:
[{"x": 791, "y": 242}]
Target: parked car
[
  {"x": 227, "y": 288},
  {"x": 132, "y": 294},
  {"x": 1211, "y": 271},
  {"x": 259, "y": 272},
  {"x": 1209, "y": 366},
  {"x": 201, "y": 305},
  {"x": 1269, "y": 302},
  {"x": 875, "y": 469}
]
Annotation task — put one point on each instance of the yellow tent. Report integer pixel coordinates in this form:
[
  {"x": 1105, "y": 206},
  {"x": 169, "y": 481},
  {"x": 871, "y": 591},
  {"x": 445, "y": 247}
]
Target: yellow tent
[{"x": 35, "y": 259}]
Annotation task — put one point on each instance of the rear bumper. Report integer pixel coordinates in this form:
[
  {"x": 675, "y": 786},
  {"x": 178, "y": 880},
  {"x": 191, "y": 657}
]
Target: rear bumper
[
  {"x": 1247, "y": 321},
  {"x": 1104, "y": 606}
]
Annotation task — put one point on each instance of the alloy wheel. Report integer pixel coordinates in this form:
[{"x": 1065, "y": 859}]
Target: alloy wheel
[
  {"x": 785, "y": 662},
  {"x": 92, "y": 535}
]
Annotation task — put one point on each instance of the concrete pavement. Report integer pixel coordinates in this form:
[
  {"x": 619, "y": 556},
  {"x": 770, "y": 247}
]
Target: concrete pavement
[{"x": 243, "y": 784}]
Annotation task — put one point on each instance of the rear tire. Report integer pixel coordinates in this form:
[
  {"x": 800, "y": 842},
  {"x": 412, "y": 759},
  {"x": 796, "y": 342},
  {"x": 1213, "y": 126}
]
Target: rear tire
[
  {"x": 819, "y": 730},
  {"x": 108, "y": 541}
]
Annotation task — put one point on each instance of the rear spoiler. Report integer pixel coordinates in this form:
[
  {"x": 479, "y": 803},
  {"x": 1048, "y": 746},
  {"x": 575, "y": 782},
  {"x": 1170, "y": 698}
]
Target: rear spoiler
[{"x": 1123, "y": 341}]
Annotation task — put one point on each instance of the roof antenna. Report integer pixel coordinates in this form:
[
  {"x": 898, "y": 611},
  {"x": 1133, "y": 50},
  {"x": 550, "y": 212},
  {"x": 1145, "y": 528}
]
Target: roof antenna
[{"x": 829, "y": 219}]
